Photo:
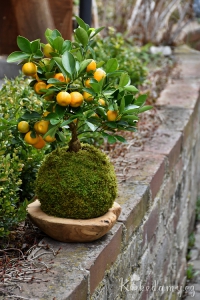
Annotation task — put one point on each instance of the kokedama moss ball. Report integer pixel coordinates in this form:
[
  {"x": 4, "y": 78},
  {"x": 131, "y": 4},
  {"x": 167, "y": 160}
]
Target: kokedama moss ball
[{"x": 79, "y": 185}]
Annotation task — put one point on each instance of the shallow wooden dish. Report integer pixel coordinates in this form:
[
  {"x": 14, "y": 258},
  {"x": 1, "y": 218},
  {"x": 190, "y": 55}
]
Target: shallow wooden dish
[{"x": 73, "y": 230}]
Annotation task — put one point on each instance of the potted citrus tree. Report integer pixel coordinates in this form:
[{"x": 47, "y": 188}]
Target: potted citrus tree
[{"x": 76, "y": 184}]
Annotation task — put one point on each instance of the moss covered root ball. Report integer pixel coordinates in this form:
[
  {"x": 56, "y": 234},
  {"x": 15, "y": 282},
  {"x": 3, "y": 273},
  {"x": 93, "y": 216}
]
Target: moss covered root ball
[{"x": 79, "y": 185}]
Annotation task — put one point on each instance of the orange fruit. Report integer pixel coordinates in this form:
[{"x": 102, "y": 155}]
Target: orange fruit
[
  {"x": 88, "y": 97},
  {"x": 45, "y": 113},
  {"x": 92, "y": 66},
  {"x": 23, "y": 127},
  {"x": 87, "y": 83},
  {"x": 47, "y": 50},
  {"x": 40, "y": 144},
  {"x": 38, "y": 86},
  {"x": 29, "y": 69},
  {"x": 29, "y": 139},
  {"x": 67, "y": 79},
  {"x": 49, "y": 139},
  {"x": 99, "y": 74},
  {"x": 76, "y": 99},
  {"x": 41, "y": 126},
  {"x": 60, "y": 77},
  {"x": 63, "y": 98},
  {"x": 112, "y": 115},
  {"x": 102, "y": 102}
]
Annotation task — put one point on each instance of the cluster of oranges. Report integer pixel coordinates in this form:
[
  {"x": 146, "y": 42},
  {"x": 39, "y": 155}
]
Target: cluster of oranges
[
  {"x": 63, "y": 98},
  {"x": 36, "y": 138}
]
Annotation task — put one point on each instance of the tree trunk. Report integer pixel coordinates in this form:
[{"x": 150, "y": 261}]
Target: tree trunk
[{"x": 74, "y": 144}]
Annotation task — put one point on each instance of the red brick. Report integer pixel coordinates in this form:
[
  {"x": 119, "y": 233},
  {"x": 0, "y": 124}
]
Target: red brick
[
  {"x": 165, "y": 142},
  {"x": 151, "y": 224},
  {"x": 148, "y": 168},
  {"x": 135, "y": 207},
  {"x": 179, "y": 94},
  {"x": 104, "y": 259}
]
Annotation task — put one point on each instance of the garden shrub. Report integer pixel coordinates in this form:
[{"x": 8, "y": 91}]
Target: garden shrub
[
  {"x": 19, "y": 163},
  {"x": 114, "y": 45}
]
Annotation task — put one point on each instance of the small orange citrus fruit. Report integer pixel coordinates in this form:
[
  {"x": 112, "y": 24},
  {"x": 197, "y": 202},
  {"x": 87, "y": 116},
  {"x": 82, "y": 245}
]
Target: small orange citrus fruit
[
  {"x": 112, "y": 115},
  {"x": 102, "y": 102},
  {"x": 41, "y": 126},
  {"x": 87, "y": 83},
  {"x": 92, "y": 66},
  {"x": 60, "y": 77},
  {"x": 99, "y": 74},
  {"x": 49, "y": 139},
  {"x": 29, "y": 69},
  {"x": 23, "y": 127},
  {"x": 47, "y": 50},
  {"x": 39, "y": 86},
  {"x": 40, "y": 144},
  {"x": 76, "y": 99},
  {"x": 88, "y": 97},
  {"x": 63, "y": 98},
  {"x": 29, "y": 139}
]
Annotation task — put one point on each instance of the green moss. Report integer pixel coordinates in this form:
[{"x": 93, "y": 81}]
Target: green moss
[{"x": 79, "y": 185}]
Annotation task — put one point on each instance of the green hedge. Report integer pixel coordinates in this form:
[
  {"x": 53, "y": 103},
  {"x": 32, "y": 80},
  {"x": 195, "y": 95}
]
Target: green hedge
[{"x": 18, "y": 161}]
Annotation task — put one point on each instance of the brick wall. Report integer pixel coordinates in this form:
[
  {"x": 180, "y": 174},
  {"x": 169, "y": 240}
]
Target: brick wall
[
  {"x": 143, "y": 256},
  {"x": 157, "y": 220}
]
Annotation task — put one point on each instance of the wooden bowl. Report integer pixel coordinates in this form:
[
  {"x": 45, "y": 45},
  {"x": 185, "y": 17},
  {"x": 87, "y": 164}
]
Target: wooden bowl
[{"x": 73, "y": 230}]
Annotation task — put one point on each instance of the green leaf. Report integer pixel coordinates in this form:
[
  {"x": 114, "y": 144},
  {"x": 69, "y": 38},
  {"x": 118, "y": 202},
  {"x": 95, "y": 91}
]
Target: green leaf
[
  {"x": 100, "y": 111},
  {"x": 51, "y": 116},
  {"x": 61, "y": 136},
  {"x": 35, "y": 45},
  {"x": 48, "y": 33},
  {"x": 82, "y": 36},
  {"x": 69, "y": 62},
  {"x": 120, "y": 138},
  {"x": 67, "y": 46},
  {"x": 145, "y": 108},
  {"x": 128, "y": 99},
  {"x": 111, "y": 124},
  {"x": 129, "y": 117},
  {"x": 55, "y": 33},
  {"x": 141, "y": 100},
  {"x": 122, "y": 105},
  {"x": 60, "y": 110},
  {"x": 131, "y": 88},
  {"x": 91, "y": 126},
  {"x": 124, "y": 80},
  {"x": 38, "y": 54},
  {"x": 96, "y": 31},
  {"x": 84, "y": 64},
  {"x": 58, "y": 61},
  {"x": 111, "y": 139},
  {"x": 81, "y": 23},
  {"x": 68, "y": 121},
  {"x": 79, "y": 55},
  {"x": 24, "y": 44},
  {"x": 96, "y": 87},
  {"x": 16, "y": 56},
  {"x": 55, "y": 81},
  {"x": 112, "y": 65},
  {"x": 58, "y": 44},
  {"x": 54, "y": 121},
  {"x": 29, "y": 115},
  {"x": 90, "y": 91},
  {"x": 115, "y": 73},
  {"x": 51, "y": 131}
]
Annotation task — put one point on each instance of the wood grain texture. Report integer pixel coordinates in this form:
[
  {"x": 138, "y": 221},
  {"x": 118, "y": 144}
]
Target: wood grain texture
[{"x": 73, "y": 230}]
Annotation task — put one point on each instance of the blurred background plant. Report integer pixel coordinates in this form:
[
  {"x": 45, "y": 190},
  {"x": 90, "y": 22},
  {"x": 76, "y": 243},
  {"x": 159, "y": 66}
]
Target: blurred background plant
[
  {"x": 19, "y": 163},
  {"x": 147, "y": 21}
]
